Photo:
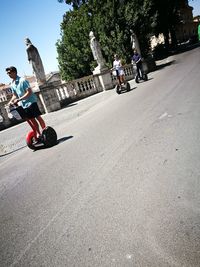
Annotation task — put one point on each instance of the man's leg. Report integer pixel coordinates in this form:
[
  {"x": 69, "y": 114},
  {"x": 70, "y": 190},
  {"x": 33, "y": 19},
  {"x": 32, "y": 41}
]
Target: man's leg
[
  {"x": 41, "y": 121},
  {"x": 35, "y": 126},
  {"x": 138, "y": 71},
  {"x": 32, "y": 127},
  {"x": 141, "y": 69}
]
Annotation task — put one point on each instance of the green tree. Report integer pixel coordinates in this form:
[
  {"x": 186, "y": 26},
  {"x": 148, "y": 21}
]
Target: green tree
[
  {"x": 110, "y": 28},
  {"x": 112, "y": 22},
  {"x": 74, "y": 55},
  {"x": 107, "y": 19},
  {"x": 75, "y": 3}
]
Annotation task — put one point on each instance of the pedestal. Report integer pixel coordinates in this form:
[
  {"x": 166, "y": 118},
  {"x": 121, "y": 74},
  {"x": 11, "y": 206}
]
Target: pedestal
[
  {"x": 104, "y": 77},
  {"x": 49, "y": 98}
]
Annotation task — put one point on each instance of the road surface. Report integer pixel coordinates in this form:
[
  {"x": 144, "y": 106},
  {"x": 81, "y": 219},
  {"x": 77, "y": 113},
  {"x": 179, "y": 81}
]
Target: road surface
[{"x": 121, "y": 188}]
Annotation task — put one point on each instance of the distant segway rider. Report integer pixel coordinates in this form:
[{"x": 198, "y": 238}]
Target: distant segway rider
[
  {"x": 23, "y": 96},
  {"x": 136, "y": 58},
  {"x": 117, "y": 66}
]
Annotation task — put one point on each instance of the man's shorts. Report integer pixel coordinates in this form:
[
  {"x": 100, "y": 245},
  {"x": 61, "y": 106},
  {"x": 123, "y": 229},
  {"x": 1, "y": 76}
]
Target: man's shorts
[{"x": 29, "y": 113}]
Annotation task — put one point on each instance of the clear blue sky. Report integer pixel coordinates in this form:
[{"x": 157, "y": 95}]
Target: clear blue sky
[
  {"x": 39, "y": 20},
  {"x": 196, "y": 5}
]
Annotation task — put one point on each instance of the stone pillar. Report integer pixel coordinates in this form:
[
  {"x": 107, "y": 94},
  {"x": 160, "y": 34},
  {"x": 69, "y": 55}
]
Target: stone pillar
[
  {"x": 4, "y": 120},
  {"x": 104, "y": 80},
  {"x": 49, "y": 98}
]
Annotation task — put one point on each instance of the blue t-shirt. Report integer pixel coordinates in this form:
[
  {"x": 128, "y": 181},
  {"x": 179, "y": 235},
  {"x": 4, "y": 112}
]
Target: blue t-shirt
[
  {"x": 20, "y": 87},
  {"x": 136, "y": 57}
]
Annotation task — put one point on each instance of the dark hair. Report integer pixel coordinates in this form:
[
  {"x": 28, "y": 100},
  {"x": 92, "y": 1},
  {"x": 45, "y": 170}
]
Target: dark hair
[{"x": 12, "y": 68}]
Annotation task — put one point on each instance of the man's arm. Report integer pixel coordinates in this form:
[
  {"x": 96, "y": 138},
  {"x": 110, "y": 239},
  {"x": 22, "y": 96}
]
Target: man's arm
[
  {"x": 13, "y": 99},
  {"x": 25, "y": 96}
]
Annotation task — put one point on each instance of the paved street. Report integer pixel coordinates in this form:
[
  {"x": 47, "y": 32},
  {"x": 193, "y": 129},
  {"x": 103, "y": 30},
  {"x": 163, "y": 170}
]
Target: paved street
[{"x": 122, "y": 186}]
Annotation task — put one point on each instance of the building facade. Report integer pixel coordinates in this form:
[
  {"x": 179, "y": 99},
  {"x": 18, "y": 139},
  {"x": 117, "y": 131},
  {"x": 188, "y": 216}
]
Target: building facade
[{"x": 186, "y": 30}]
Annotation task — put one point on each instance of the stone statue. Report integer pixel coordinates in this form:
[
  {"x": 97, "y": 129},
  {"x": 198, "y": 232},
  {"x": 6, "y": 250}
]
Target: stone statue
[
  {"x": 135, "y": 42},
  {"x": 96, "y": 51},
  {"x": 35, "y": 60}
]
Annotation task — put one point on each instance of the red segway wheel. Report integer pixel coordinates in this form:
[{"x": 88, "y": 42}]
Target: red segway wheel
[{"x": 30, "y": 139}]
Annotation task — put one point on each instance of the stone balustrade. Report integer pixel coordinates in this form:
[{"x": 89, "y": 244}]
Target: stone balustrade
[
  {"x": 3, "y": 96},
  {"x": 74, "y": 90}
]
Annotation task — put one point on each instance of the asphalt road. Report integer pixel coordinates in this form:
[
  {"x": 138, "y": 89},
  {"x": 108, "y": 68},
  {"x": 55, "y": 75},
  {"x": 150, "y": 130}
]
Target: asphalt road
[{"x": 122, "y": 186}]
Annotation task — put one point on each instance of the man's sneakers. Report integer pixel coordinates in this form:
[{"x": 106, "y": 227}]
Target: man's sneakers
[{"x": 38, "y": 140}]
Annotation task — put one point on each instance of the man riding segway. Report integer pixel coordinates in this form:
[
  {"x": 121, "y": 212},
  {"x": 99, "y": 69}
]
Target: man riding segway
[
  {"x": 25, "y": 101},
  {"x": 137, "y": 60}
]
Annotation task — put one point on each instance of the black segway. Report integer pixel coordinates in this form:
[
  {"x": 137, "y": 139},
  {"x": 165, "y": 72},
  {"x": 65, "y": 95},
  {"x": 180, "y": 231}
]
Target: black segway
[
  {"x": 120, "y": 87},
  {"x": 141, "y": 76},
  {"x": 123, "y": 87}
]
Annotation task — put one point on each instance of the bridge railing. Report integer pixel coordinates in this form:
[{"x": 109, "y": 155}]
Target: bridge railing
[{"x": 76, "y": 89}]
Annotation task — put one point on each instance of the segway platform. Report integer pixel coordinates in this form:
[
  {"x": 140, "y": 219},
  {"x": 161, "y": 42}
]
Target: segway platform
[{"x": 144, "y": 77}]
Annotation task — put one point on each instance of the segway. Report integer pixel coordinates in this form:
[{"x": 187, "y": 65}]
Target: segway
[
  {"x": 48, "y": 137},
  {"x": 123, "y": 87},
  {"x": 120, "y": 87},
  {"x": 142, "y": 76}
]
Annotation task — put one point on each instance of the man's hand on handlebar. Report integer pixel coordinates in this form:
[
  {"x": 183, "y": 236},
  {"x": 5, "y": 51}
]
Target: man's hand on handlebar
[{"x": 13, "y": 102}]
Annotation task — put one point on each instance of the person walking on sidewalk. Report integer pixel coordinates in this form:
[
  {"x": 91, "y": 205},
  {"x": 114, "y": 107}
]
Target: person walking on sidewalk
[{"x": 23, "y": 96}]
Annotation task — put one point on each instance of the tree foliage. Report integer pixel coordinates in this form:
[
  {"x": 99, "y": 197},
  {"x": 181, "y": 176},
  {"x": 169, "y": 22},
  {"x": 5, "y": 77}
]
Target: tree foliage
[
  {"x": 112, "y": 22},
  {"x": 74, "y": 55}
]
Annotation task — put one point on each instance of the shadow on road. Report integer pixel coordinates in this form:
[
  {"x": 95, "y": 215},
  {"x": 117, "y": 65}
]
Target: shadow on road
[
  {"x": 63, "y": 139},
  {"x": 161, "y": 66},
  {"x": 66, "y": 105},
  {"x": 59, "y": 141},
  {"x": 143, "y": 81},
  {"x": 133, "y": 88},
  {"x": 125, "y": 91}
]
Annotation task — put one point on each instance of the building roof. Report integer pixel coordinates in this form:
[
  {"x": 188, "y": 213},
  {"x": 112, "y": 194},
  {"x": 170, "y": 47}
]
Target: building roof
[{"x": 4, "y": 87}]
